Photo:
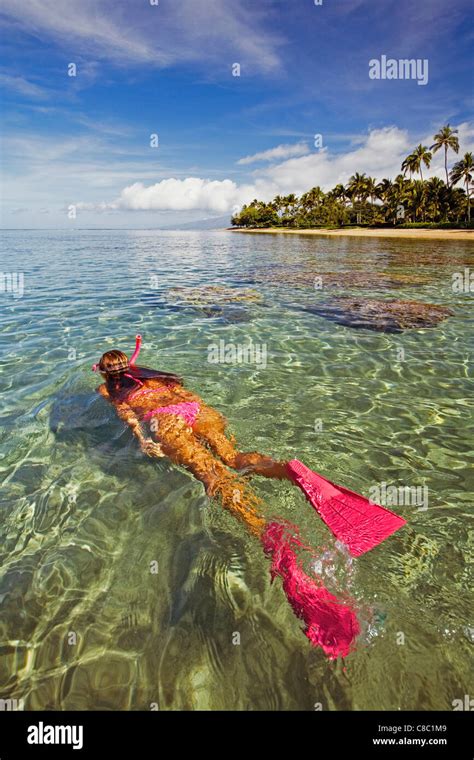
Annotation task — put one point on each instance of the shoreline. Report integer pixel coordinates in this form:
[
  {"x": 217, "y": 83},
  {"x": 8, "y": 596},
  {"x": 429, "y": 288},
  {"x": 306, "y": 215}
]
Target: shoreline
[{"x": 414, "y": 234}]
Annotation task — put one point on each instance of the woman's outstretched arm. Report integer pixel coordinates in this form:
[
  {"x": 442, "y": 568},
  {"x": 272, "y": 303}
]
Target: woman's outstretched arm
[
  {"x": 147, "y": 445},
  {"x": 126, "y": 414}
]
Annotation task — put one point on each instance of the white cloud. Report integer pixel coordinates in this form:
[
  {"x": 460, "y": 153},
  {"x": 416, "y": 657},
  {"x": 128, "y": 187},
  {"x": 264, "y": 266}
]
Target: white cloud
[
  {"x": 278, "y": 153},
  {"x": 159, "y": 35},
  {"x": 183, "y": 195},
  {"x": 380, "y": 155},
  {"x": 23, "y": 86}
]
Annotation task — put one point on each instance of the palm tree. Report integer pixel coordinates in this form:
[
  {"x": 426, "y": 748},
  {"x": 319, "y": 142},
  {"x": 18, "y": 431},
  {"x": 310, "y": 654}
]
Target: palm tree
[
  {"x": 340, "y": 194},
  {"x": 384, "y": 193},
  {"x": 437, "y": 196},
  {"x": 398, "y": 195},
  {"x": 416, "y": 198},
  {"x": 278, "y": 203},
  {"x": 306, "y": 206},
  {"x": 371, "y": 187},
  {"x": 383, "y": 189},
  {"x": 409, "y": 164},
  {"x": 310, "y": 202},
  {"x": 312, "y": 198},
  {"x": 463, "y": 170},
  {"x": 446, "y": 138},
  {"x": 357, "y": 186},
  {"x": 457, "y": 204},
  {"x": 289, "y": 202},
  {"x": 421, "y": 155},
  {"x": 357, "y": 189}
]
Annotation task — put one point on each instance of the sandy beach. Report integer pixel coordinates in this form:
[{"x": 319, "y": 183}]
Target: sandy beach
[{"x": 414, "y": 234}]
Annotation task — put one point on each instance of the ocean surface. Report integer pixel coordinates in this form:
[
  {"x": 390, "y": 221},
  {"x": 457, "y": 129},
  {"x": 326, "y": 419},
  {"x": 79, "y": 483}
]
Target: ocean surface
[{"x": 123, "y": 587}]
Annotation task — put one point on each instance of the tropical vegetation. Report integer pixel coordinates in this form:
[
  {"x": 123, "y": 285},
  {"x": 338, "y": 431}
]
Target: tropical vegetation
[{"x": 366, "y": 201}]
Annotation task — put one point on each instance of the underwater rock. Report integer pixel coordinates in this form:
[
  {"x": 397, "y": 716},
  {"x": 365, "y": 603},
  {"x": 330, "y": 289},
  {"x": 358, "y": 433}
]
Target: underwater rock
[
  {"x": 384, "y": 316},
  {"x": 208, "y": 296},
  {"x": 215, "y": 301},
  {"x": 228, "y": 314}
]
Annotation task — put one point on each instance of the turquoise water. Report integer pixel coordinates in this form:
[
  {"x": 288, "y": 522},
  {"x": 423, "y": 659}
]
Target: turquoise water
[{"x": 84, "y": 622}]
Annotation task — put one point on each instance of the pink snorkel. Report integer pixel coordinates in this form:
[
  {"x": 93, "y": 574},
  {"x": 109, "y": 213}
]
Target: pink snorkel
[{"x": 138, "y": 345}]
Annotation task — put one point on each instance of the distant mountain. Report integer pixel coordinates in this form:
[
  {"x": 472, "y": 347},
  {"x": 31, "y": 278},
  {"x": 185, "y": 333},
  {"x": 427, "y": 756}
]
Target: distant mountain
[{"x": 214, "y": 223}]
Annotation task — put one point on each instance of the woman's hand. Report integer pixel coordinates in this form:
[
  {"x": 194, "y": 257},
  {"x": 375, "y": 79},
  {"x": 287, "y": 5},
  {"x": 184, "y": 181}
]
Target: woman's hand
[
  {"x": 147, "y": 445},
  {"x": 151, "y": 448}
]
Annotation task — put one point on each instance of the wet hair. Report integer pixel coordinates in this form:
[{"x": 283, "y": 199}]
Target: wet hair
[
  {"x": 120, "y": 377},
  {"x": 114, "y": 363}
]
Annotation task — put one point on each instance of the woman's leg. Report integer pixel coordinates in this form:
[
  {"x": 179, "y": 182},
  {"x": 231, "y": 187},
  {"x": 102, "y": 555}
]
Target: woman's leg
[
  {"x": 210, "y": 427},
  {"x": 180, "y": 444}
]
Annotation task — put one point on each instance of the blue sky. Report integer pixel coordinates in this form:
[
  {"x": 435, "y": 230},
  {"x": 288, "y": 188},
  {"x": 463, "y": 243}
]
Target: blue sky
[{"x": 166, "y": 69}]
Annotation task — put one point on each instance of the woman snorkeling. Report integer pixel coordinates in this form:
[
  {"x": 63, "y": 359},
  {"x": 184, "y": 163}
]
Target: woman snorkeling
[{"x": 170, "y": 420}]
